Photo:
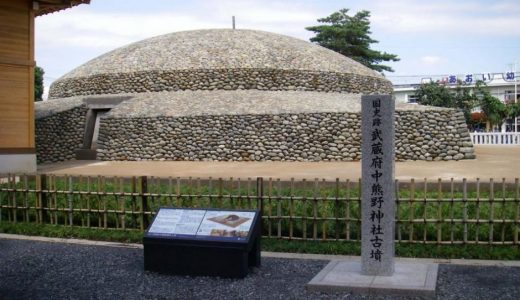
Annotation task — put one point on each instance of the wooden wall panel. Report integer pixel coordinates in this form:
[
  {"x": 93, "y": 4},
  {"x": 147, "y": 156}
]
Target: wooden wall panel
[
  {"x": 16, "y": 74},
  {"x": 15, "y": 107},
  {"x": 15, "y": 30}
]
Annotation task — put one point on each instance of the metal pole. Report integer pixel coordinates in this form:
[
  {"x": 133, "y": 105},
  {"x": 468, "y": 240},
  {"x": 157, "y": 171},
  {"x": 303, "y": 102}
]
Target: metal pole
[
  {"x": 233, "y": 18},
  {"x": 516, "y": 95}
]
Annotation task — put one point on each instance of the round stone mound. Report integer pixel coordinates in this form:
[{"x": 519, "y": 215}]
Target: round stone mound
[
  {"x": 229, "y": 95},
  {"x": 220, "y": 59}
]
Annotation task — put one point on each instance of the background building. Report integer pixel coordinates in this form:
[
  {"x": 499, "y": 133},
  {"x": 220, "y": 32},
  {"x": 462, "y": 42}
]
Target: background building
[{"x": 503, "y": 86}]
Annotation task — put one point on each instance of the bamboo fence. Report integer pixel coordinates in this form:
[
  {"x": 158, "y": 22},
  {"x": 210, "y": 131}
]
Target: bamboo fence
[{"x": 432, "y": 212}]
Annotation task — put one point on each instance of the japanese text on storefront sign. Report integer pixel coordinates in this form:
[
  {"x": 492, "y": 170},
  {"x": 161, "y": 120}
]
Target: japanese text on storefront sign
[{"x": 473, "y": 78}]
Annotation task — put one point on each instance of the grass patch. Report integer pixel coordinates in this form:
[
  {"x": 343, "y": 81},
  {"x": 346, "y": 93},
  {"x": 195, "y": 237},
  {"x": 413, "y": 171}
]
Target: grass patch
[
  {"x": 469, "y": 251},
  {"x": 424, "y": 211}
]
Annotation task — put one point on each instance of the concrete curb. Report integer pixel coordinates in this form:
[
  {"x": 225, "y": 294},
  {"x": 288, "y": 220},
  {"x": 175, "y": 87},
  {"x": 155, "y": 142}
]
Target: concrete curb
[
  {"x": 69, "y": 241},
  {"x": 467, "y": 262}
]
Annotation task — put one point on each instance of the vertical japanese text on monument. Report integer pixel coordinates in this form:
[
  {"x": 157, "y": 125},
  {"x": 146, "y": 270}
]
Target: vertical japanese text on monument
[
  {"x": 377, "y": 190},
  {"x": 377, "y": 243}
]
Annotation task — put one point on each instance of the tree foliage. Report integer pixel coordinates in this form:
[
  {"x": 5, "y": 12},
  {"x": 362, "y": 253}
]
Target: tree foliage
[
  {"x": 438, "y": 94},
  {"x": 435, "y": 94},
  {"x": 350, "y": 36},
  {"x": 494, "y": 109},
  {"x": 38, "y": 83},
  {"x": 513, "y": 110},
  {"x": 466, "y": 98}
]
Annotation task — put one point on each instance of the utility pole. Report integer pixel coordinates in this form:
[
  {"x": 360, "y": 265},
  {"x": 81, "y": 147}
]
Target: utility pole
[
  {"x": 233, "y": 20},
  {"x": 516, "y": 94}
]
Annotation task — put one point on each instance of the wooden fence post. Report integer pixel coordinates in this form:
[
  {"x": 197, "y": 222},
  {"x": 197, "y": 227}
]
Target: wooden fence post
[
  {"x": 315, "y": 209},
  {"x": 270, "y": 207},
  {"x": 260, "y": 199},
  {"x": 42, "y": 197},
  {"x": 134, "y": 200},
  {"x": 439, "y": 211},
  {"x": 70, "y": 198},
  {"x": 465, "y": 210},
  {"x": 411, "y": 212},
  {"x": 26, "y": 198},
  {"x": 517, "y": 213},
  {"x": 279, "y": 207},
  {"x": 336, "y": 210},
  {"x": 144, "y": 202},
  {"x": 220, "y": 193},
  {"x": 14, "y": 205},
  {"x": 491, "y": 210}
]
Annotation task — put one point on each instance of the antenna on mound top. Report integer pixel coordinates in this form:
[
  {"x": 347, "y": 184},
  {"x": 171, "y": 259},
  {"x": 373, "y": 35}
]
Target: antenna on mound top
[{"x": 233, "y": 21}]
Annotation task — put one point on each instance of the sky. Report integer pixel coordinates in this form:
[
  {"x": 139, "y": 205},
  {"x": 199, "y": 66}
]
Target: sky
[{"x": 431, "y": 38}]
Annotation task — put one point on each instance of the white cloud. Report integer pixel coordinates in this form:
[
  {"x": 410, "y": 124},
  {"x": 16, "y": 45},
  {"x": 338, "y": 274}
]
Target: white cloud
[
  {"x": 92, "y": 29},
  {"x": 89, "y": 29},
  {"x": 430, "y": 60},
  {"x": 447, "y": 17},
  {"x": 86, "y": 33},
  {"x": 71, "y": 37}
]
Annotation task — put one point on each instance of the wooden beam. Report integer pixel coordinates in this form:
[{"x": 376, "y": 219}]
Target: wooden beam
[
  {"x": 17, "y": 62},
  {"x": 17, "y": 150}
]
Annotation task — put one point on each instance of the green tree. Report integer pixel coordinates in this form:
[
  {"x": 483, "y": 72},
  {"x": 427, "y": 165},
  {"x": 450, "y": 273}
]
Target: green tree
[
  {"x": 38, "y": 83},
  {"x": 494, "y": 109},
  {"x": 438, "y": 94},
  {"x": 435, "y": 94},
  {"x": 350, "y": 36},
  {"x": 513, "y": 110},
  {"x": 465, "y": 98}
]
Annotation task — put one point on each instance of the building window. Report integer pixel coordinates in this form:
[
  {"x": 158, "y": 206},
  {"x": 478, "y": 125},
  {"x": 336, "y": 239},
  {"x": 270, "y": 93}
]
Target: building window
[
  {"x": 412, "y": 99},
  {"x": 509, "y": 97}
]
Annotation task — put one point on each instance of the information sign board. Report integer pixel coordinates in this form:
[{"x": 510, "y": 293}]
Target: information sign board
[
  {"x": 202, "y": 224},
  {"x": 208, "y": 242}
]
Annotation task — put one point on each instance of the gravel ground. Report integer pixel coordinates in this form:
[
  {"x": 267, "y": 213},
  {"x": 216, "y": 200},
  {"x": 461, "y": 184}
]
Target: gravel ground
[{"x": 42, "y": 270}]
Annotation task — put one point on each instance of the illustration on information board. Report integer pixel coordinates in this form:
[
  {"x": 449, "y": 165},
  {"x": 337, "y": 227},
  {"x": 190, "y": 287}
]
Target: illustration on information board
[
  {"x": 234, "y": 224},
  {"x": 230, "y": 220}
]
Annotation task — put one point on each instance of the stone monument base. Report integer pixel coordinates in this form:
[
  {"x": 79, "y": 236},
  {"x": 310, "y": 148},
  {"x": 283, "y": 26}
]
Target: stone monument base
[{"x": 409, "y": 279}]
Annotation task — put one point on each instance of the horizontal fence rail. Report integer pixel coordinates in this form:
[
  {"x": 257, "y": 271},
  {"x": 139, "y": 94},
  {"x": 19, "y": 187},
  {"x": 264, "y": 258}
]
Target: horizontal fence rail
[
  {"x": 495, "y": 138},
  {"x": 435, "y": 212}
]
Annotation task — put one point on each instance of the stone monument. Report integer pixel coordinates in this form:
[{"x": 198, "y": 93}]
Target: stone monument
[
  {"x": 377, "y": 170},
  {"x": 377, "y": 273}
]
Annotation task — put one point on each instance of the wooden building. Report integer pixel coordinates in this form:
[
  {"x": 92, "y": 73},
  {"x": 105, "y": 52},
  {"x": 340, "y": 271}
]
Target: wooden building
[{"x": 17, "y": 145}]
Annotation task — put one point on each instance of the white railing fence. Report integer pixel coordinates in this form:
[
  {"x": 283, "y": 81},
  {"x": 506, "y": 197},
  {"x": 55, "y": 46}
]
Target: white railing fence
[{"x": 495, "y": 138}]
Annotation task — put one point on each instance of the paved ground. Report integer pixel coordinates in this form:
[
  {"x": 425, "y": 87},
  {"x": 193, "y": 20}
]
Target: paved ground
[
  {"x": 492, "y": 162},
  {"x": 49, "y": 270}
]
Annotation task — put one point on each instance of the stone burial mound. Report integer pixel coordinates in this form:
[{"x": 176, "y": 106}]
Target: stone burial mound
[{"x": 229, "y": 95}]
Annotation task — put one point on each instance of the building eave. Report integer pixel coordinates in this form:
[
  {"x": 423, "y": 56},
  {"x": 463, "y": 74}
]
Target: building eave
[{"x": 43, "y": 7}]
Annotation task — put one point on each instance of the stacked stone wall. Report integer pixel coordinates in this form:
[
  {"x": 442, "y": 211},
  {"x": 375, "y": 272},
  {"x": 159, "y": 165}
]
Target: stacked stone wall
[
  {"x": 60, "y": 134},
  {"x": 219, "y": 79},
  {"x": 420, "y": 135}
]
